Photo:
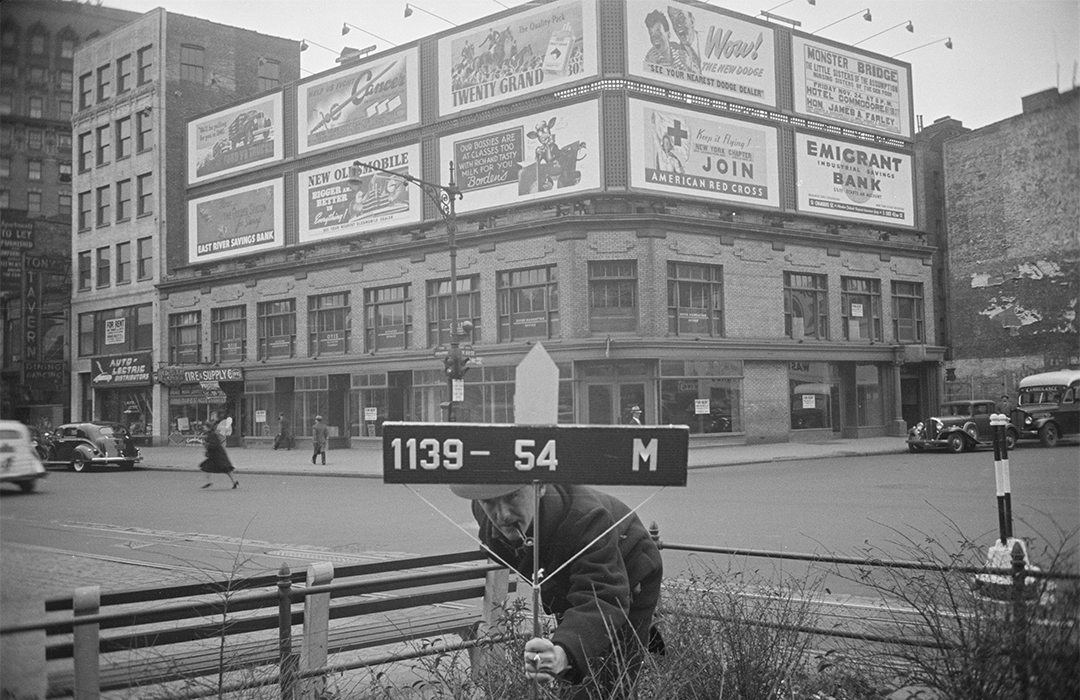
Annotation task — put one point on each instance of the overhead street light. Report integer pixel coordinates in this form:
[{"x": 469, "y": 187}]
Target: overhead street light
[
  {"x": 910, "y": 27},
  {"x": 948, "y": 45},
  {"x": 865, "y": 15},
  {"x": 410, "y": 6}
]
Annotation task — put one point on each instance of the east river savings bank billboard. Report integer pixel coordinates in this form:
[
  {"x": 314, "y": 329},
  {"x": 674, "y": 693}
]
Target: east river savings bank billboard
[
  {"x": 700, "y": 155},
  {"x": 531, "y": 52},
  {"x": 238, "y": 222}
]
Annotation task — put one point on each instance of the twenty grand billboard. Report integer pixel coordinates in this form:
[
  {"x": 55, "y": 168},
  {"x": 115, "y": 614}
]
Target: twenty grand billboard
[
  {"x": 854, "y": 181},
  {"x": 236, "y": 139},
  {"x": 547, "y": 154},
  {"x": 851, "y": 89},
  {"x": 533, "y": 51},
  {"x": 332, "y": 206},
  {"x": 363, "y": 101},
  {"x": 687, "y": 153},
  {"x": 237, "y": 222},
  {"x": 697, "y": 48}
]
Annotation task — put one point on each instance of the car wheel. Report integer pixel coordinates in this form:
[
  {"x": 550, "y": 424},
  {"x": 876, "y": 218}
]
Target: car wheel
[
  {"x": 80, "y": 462},
  {"x": 28, "y": 486},
  {"x": 957, "y": 443},
  {"x": 1010, "y": 440},
  {"x": 1049, "y": 435},
  {"x": 912, "y": 447}
]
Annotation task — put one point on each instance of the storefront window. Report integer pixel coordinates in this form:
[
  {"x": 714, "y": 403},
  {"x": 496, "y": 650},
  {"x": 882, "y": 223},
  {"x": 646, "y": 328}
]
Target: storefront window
[
  {"x": 259, "y": 396},
  {"x": 860, "y": 303},
  {"x": 329, "y": 324},
  {"x": 440, "y": 311},
  {"x": 115, "y": 331},
  {"x": 277, "y": 328},
  {"x": 311, "y": 399},
  {"x": 806, "y": 306},
  {"x": 388, "y": 318},
  {"x": 228, "y": 334},
  {"x": 528, "y": 303},
  {"x": 815, "y": 395},
  {"x": 185, "y": 338},
  {"x": 695, "y": 299},
  {"x": 369, "y": 394},
  {"x": 705, "y": 395},
  {"x": 613, "y": 299},
  {"x": 869, "y": 396}
]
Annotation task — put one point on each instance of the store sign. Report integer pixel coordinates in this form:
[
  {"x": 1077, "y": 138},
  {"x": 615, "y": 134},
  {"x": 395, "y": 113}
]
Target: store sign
[
  {"x": 217, "y": 374},
  {"x": 121, "y": 370},
  {"x": 16, "y": 235},
  {"x": 44, "y": 376},
  {"x": 115, "y": 331}
]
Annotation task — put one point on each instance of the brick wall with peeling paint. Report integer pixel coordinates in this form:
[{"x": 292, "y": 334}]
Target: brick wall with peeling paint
[{"x": 1012, "y": 222}]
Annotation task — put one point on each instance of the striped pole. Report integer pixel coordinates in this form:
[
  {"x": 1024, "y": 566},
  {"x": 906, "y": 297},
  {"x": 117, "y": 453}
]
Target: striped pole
[{"x": 998, "y": 421}]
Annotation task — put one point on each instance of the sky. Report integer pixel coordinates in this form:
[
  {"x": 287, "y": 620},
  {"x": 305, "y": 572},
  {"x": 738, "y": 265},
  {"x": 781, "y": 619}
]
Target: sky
[{"x": 1001, "y": 50}]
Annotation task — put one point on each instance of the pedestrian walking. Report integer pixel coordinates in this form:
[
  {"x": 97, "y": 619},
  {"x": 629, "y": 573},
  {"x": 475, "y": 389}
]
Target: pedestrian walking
[
  {"x": 320, "y": 436},
  {"x": 635, "y": 415},
  {"x": 217, "y": 459},
  {"x": 284, "y": 435}
]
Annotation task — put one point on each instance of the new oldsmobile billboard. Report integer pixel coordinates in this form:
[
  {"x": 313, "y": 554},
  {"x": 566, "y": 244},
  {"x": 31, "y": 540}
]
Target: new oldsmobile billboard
[
  {"x": 234, "y": 140},
  {"x": 534, "y": 51},
  {"x": 701, "y": 49},
  {"x": 366, "y": 100},
  {"x": 687, "y": 153},
  {"x": 238, "y": 222},
  {"x": 851, "y": 89},
  {"x": 331, "y": 206},
  {"x": 854, "y": 181},
  {"x": 549, "y": 154}
]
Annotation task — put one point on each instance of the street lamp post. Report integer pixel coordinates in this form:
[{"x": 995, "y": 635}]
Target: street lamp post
[{"x": 444, "y": 197}]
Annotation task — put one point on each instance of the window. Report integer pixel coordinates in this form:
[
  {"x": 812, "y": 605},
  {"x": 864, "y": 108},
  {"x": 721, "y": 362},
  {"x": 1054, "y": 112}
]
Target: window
[
  {"x": 85, "y": 146},
  {"x": 63, "y": 109},
  {"x": 85, "y": 270},
  {"x": 7, "y": 135},
  {"x": 5, "y": 198},
  {"x": 185, "y": 335},
  {"x": 329, "y": 324},
  {"x": 440, "y": 310},
  {"x": 37, "y": 108},
  {"x": 86, "y": 334},
  {"x": 84, "y": 210},
  {"x": 191, "y": 63},
  {"x": 695, "y": 299},
  {"x": 86, "y": 87},
  {"x": 9, "y": 38},
  {"x": 806, "y": 308},
  {"x": 33, "y": 170},
  {"x": 7, "y": 103},
  {"x": 65, "y": 171},
  {"x": 103, "y": 267},
  {"x": 145, "y": 57},
  {"x": 860, "y": 302},
  {"x": 144, "y": 126},
  {"x": 144, "y": 251},
  {"x": 66, "y": 79},
  {"x": 123, "y": 74},
  {"x": 67, "y": 48},
  {"x": 277, "y": 328},
  {"x": 815, "y": 395},
  {"x": 387, "y": 318},
  {"x": 684, "y": 384},
  {"x": 102, "y": 145},
  {"x": 37, "y": 44},
  {"x": 63, "y": 203},
  {"x": 123, "y": 138},
  {"x": 907, "y": 311},
  {"x": 103, "y": 206},
  {"x": 123, "y": 200},
  {"x": 228, "y": 334},
  {"x": 613, "y": 301},
  {"x": 39, "y": 76},
  {"x": 528, "y": 303},
  {"x": 63, "y": 143},
  {"x": 269, "y": 74},
  {"x": 5, "y": 166},
  {"x": 123, "y": 262},
  {"x": 33, "y": 202},
  {"x": 145, "y": 193},
  {"x": 104, "y": 80},
  {"x": 34, "y": 139}
]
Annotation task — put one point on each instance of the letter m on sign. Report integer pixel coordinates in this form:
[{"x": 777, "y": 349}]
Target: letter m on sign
[{"x": 645, "y": 453}]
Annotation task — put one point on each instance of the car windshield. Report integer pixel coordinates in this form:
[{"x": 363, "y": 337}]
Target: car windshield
[
  {"x": 107, "y": 430},
  {"x": 957, "y": 410},
  {"x": 1029, "y": 397},
  {"x": 10, "y": 434}
]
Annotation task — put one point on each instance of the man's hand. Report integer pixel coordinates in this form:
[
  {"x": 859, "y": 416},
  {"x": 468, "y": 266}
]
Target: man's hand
[{"x": 544, "y": 660}]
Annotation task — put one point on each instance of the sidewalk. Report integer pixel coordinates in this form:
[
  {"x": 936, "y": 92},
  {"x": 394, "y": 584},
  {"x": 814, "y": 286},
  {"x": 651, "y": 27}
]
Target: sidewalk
[{"x": 365, "y": 461}]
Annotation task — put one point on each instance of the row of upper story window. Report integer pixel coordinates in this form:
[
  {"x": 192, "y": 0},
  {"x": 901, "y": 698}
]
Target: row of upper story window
[
  {"x": 36, "y": 106},
  {"x": 23, "y": 138},
  {"x": 35, "y": 202},
  {"x": 118, "y": 264},
  {"x": 33, "y": 171},
  {"x": 527, "y": 308},
  {"x": 37, "y": 42},
  {"x": 61, "y": 80},
  {"x": 116, "y": 140},
  {"x": 131, "y": 197}
]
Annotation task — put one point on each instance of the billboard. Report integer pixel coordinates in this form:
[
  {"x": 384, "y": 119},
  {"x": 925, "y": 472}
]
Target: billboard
[
  {"x": 702, "y": 50},
  {"x": 530, "y": 52},
  {"x": 238, "y": 222},
  {"x": 236, "y": 139},
  {"x": 851, "y": 89},
  {"x": 854, "y": 181},
  {"x": 542, "y": 155},
  {"x": 331, "y": 206},
  {"x": 685, "y": 153},
  {"x": 360, "y": 102}
]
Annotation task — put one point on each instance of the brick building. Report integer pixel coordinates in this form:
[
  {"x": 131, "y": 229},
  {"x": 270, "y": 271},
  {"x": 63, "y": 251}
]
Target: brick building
[
  {"x": 1013, "y": 249},
  {"x": 135, "y": 90},
  {"x": 38, "y": 40},
  {"x": 720, "y": 230}
]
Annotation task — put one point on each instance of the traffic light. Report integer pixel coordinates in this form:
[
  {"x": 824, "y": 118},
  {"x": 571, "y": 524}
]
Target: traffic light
[{"x": 455, "y": 364}]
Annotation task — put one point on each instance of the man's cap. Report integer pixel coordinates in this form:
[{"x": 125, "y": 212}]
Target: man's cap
[
  {"x": 635, "y": 408},
  {"x": 318, "y": 417},
  {"x": 482, "y": 492}
]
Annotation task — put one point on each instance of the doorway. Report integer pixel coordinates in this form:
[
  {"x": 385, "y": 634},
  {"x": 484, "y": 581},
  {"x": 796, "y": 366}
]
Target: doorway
[
  {"x": 337, "y": 409},
  {"x": 609, "y": 403}
]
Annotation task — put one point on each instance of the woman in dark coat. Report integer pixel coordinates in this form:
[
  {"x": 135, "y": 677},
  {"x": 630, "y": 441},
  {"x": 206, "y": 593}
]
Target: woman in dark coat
[{"x": 217, "y": 460}]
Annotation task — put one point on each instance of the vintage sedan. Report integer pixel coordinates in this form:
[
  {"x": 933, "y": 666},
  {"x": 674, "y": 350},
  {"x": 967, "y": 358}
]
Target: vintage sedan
[
  {"x": 94, "y": 443},
  {"x": 19, "y": 463},
  {"x": 962, "y": 425}
]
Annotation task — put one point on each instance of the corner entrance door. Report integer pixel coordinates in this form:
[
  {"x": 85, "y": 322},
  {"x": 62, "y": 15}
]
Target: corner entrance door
[{"x": 609, "y": 403}]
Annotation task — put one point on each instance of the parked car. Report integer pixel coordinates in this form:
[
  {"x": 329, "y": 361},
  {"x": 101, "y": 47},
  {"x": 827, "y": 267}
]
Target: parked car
[
  {"x": 962, "y": 425},
  {"x": 19, "y": 463},
  {"x": 1049, "y": 406},
  {"x": 81, "y": 445}
]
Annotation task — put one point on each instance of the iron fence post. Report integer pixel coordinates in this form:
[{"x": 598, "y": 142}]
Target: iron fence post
[
  {"x": 1019, "y": 619},
  {"x": 287, "y": 661}
]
